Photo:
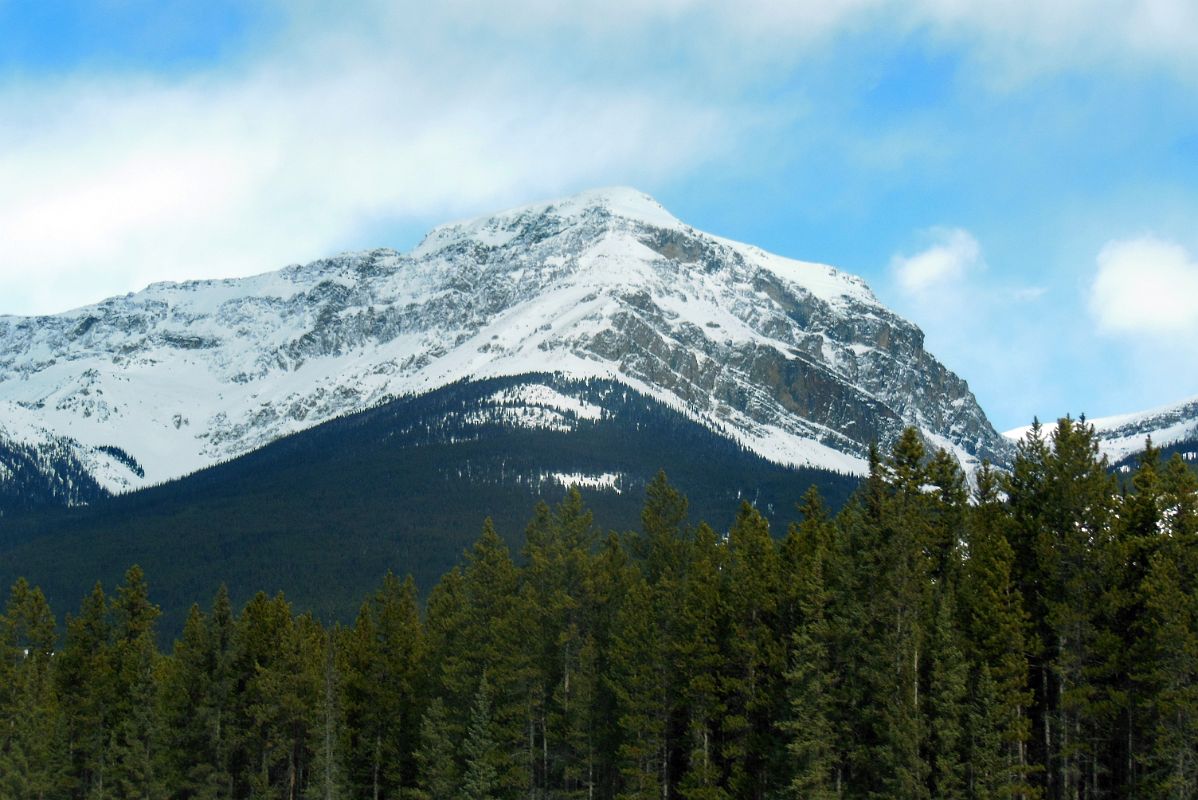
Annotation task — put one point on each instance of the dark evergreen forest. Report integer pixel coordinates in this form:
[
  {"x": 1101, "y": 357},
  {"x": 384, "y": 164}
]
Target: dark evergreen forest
[{"x": 1036, "y": 640}]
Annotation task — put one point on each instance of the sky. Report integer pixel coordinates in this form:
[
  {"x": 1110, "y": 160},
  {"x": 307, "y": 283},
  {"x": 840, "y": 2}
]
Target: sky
[{"x": 1017, "y": 177}]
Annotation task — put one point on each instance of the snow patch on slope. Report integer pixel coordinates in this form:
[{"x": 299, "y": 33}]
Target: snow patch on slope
[
  {"x": 539, "y": 395},
  {"x": 605, "y": 480}
]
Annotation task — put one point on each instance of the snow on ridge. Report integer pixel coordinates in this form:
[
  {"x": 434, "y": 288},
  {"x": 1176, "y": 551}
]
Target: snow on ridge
[
  {"x": 620, "y": 201},
  {"x": 1111, "y": 425},
  {"x": 829, "y": 284},
  {"x": 1187, "y": 407},
  {"x": 1123, "y": 435}
]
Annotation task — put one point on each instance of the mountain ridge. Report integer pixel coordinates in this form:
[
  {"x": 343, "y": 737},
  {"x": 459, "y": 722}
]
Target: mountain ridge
[
  {"x": 796, "y": 360},
  {"x": 1122, "y": 436}
]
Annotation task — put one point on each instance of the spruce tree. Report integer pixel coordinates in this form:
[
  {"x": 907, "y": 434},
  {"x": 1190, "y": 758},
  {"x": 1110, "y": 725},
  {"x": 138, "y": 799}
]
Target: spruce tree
[
  {"x": 699, "y": 662},
  {"x": 1171, "y": 678},
  {"x": 134, "y": 659},
  {"x": 661, "y": 544},
  {"x": 638, "y": 679},
  {"x": 384, "y": 655},
  {"x": 1167, "y": 674},
  {"x": 32, "y": 753},
  {"x": 1076, "y": 554},
  {"x": 327, "y": 779},
  {"x": 755, "y": 658},
  {"x": 188, "y": 759},
  {"x": 947, "y": 707},
  {"x": 504, "y": 638},
  {"x": 898, "y": 565},
  {"x": 85, "y": 680},
  {"x": 437, "y": 771},
  {"x": 479, "y": 776},
  {"x": 995, "y": 629},
  {"x": 808, "y": 725}
]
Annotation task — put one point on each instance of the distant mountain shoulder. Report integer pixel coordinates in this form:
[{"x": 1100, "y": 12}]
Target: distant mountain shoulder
[{"x": 1172, "y": 427}]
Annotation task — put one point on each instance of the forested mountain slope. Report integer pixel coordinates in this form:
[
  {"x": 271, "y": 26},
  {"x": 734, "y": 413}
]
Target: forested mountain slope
[{"x": 403, "y": 486}]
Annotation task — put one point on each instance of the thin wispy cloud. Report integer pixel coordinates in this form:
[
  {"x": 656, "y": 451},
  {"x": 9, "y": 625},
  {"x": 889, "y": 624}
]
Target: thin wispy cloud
[{"x": 954, "y": 253}]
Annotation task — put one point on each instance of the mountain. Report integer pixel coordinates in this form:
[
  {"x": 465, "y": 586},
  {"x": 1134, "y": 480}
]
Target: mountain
[
  {"x": 1174, "y": 428},
  {"x": 405, "y": 486},
  {"x": 797, "y": 361}
]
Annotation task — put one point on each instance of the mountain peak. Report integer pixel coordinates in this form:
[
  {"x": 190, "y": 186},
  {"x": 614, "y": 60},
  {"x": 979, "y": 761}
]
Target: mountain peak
[
  {"x": 615, "y": 202},
  {"x": 619, "y": 201}
]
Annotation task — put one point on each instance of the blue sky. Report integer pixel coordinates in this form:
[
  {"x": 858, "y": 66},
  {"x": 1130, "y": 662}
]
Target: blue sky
[{"x": 1020, "y": 178}]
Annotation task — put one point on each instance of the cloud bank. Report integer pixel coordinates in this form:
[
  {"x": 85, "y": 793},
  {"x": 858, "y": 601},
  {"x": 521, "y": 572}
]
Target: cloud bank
[{"x": 346, "y": 122}]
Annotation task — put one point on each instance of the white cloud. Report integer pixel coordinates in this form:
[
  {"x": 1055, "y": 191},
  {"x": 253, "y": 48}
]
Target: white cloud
[
  {"x": 953, "y": 253},
  {"x": 403, "y": 111},
  {"x": 1145, "y": 286},
  {"x": 109, "y": 183},
  {"x": 1023, "y": 37}
]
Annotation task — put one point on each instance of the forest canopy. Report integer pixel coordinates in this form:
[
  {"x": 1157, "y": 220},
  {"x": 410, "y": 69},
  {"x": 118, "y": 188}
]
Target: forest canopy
[{"x": 1034, "y": 636}]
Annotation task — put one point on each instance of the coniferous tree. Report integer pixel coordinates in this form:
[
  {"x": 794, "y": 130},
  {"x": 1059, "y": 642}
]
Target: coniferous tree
[
  {"x": 808, "y": 725},
  {"x": 437, "y": 769},
  {"x": 501, "y": 630},
  {"x": 661, "y": 544},
  {"x": 895, "y": 574},
  {"x": 384, "y": 653},
  {"x": 1076, "y": 553},
  {"x": 1044, "y": 643},
  {"x": 134, "y": 729},
  {"x": 84, "y": 675},
  {"x": 947, "y": 711},
  {"x": 1062, "y": 499},
  {"x": 995, "y": 625},
  {"x": 187, "y": 758},
  {"x": 279, "y": 689},
  {"x": 579, "y": 703},
  {"x": 754, "y": 657},
  {"x": 638, "y": 679},
  {"x": 1167, "y": 675},
  {"x": 699, "y": 663},
  {"x": 559, "y": 572},
  {"x": 31, "y": 744},
  {"x": 327, "y": 779},
  {"x": 479, "y": 777}
]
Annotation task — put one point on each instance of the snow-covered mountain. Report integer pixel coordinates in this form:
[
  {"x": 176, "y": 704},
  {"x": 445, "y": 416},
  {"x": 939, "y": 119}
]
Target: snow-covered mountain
[
  {"x": 1124, "y": 435},
  {"x": 797, "y": 361}
]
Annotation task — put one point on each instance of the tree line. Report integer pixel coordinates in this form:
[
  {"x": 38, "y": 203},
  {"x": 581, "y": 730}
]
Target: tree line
[{"x": 1038, "y": 639}]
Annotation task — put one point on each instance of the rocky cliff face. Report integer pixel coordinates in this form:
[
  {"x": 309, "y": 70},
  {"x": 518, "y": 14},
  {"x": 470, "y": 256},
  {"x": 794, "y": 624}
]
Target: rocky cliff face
[{"x": 796, "y": 360}]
